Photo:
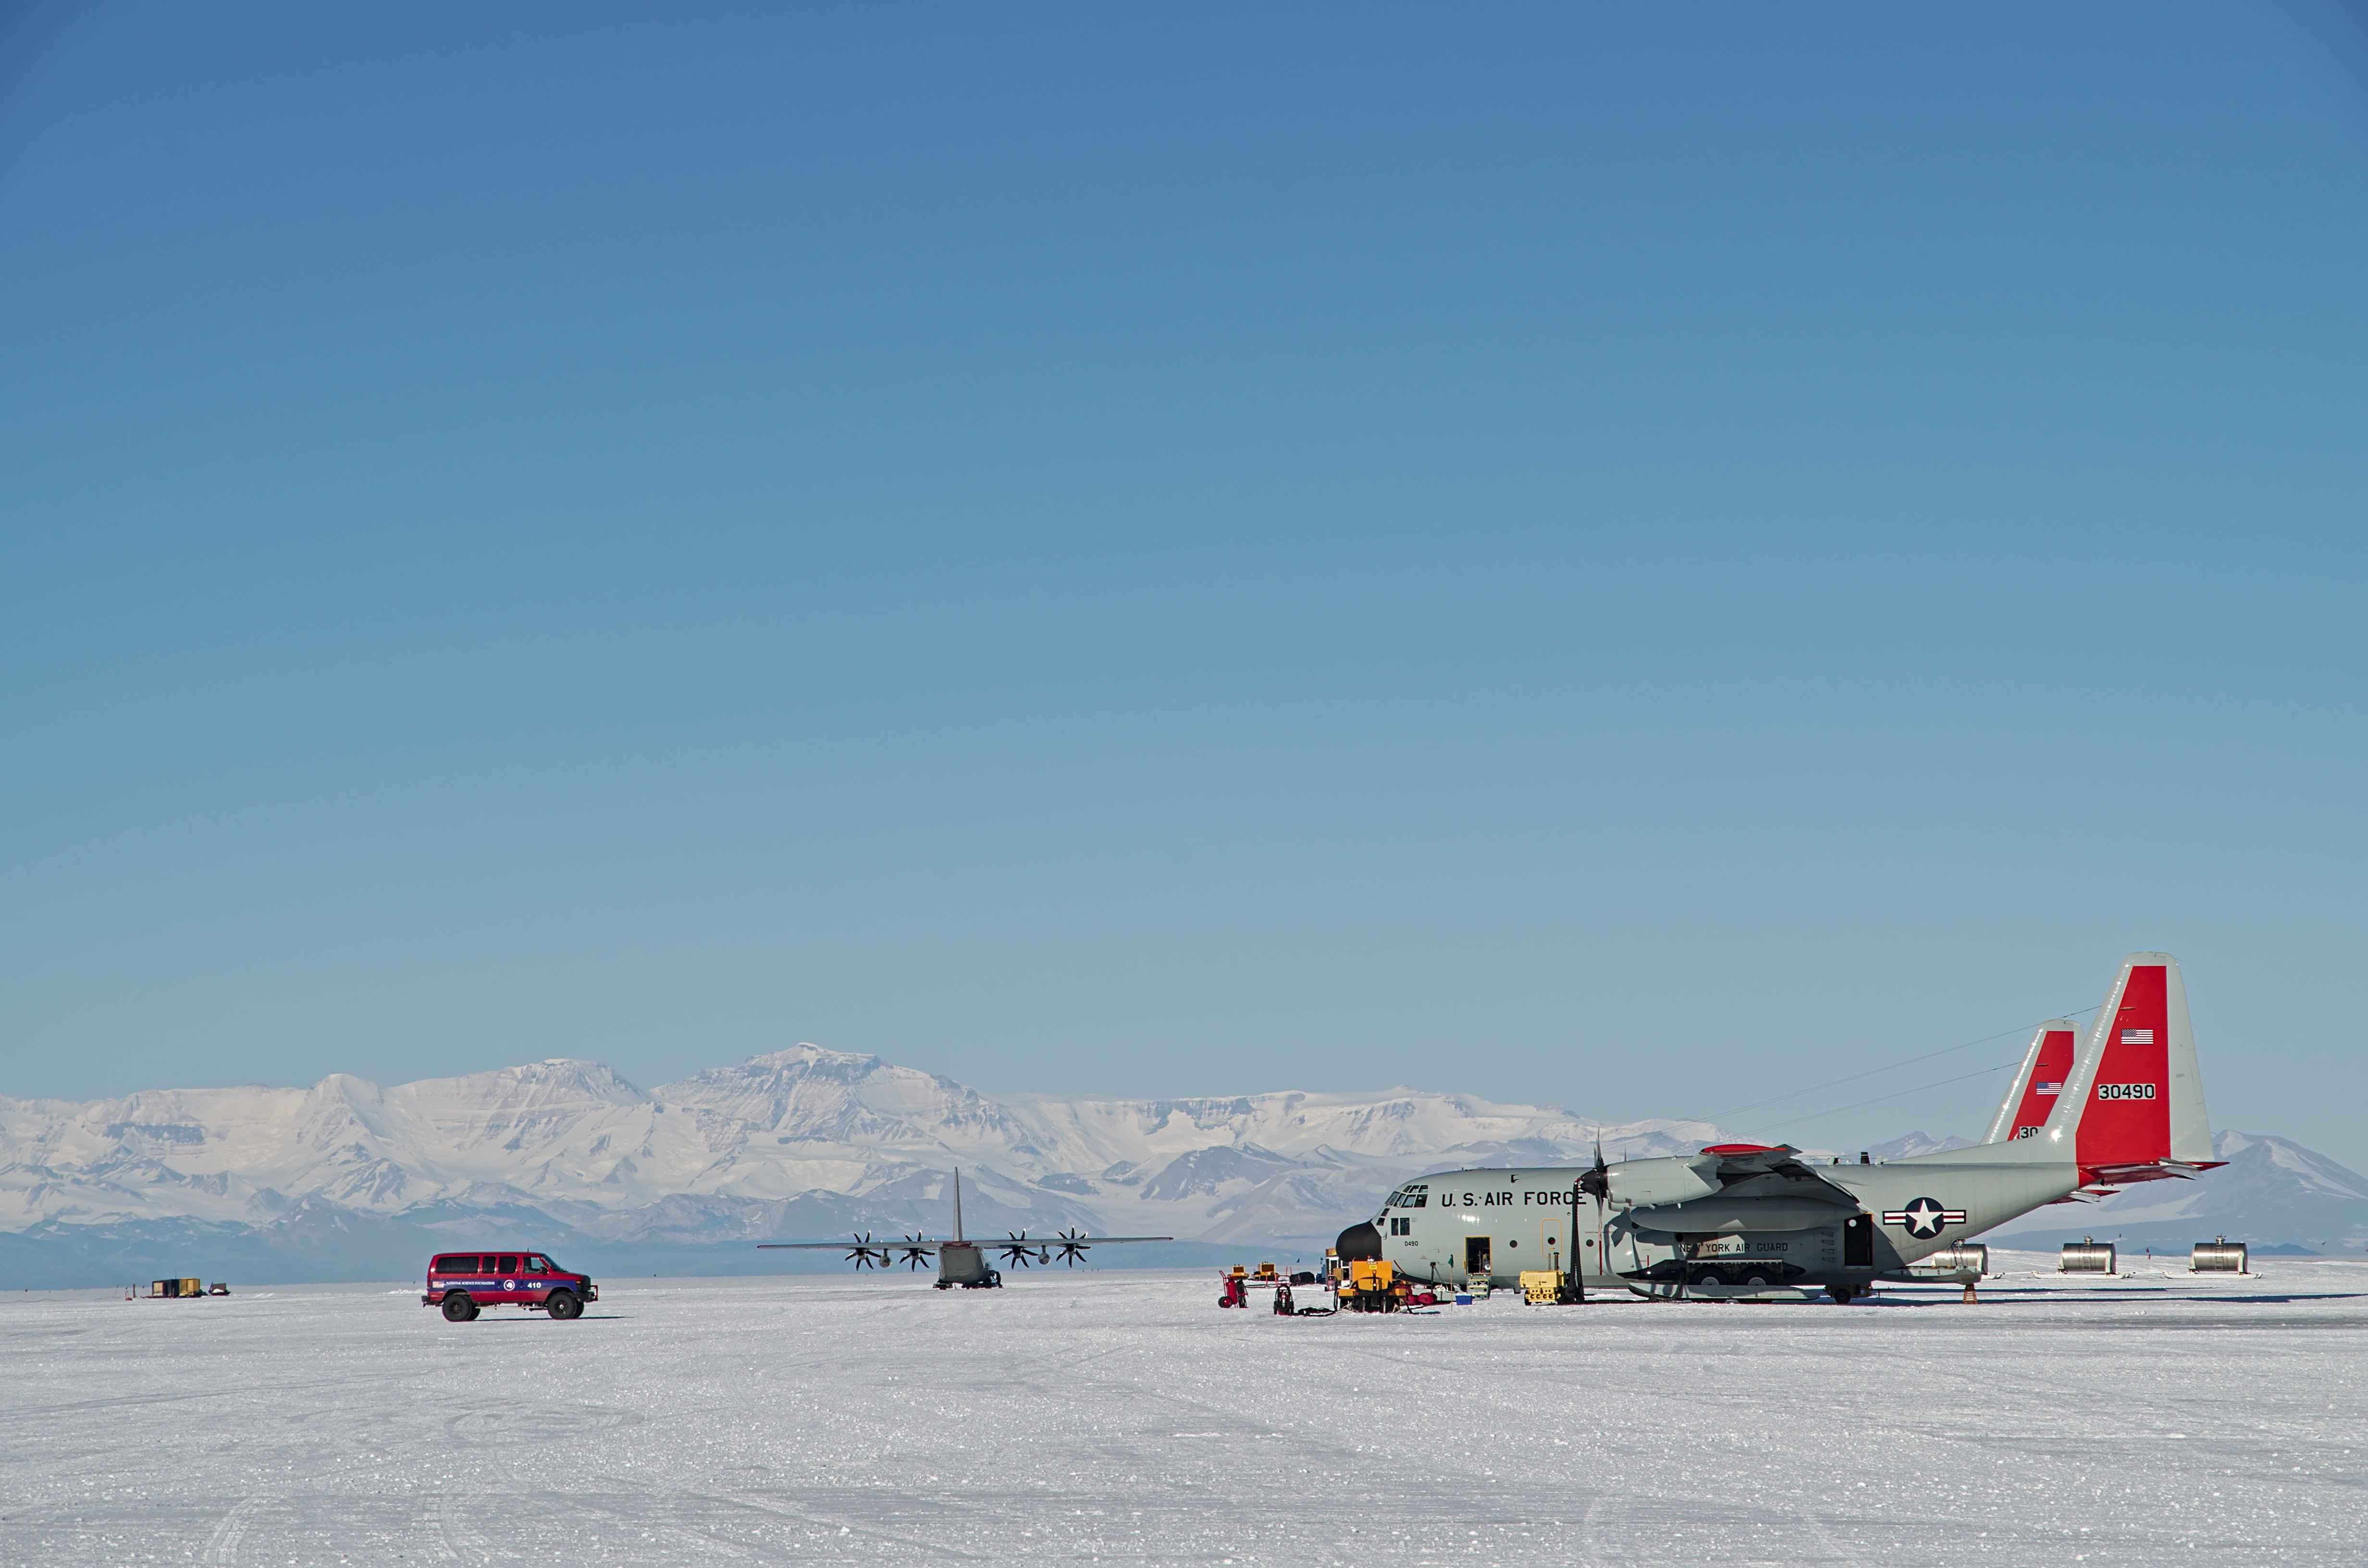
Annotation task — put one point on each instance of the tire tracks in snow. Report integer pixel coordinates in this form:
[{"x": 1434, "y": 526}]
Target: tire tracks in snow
[
  {"x": 463, "y": 1540},
  {"x": 221, "y": 1546}
]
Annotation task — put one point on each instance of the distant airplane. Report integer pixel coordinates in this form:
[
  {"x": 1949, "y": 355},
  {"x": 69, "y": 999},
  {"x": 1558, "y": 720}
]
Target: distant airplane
[{"x": 962, "y": 1262}]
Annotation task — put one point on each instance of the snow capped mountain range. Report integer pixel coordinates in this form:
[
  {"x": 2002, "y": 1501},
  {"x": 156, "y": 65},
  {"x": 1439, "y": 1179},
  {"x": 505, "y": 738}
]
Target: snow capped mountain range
[
  {"x": 805, "y": 1142},
  {"x": 350, "y": 1179}
]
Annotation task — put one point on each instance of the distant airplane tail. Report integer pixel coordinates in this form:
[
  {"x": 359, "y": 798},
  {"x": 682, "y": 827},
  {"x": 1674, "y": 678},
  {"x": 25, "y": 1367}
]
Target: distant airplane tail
[
  {"x": 2133, "y": 1095},
  {"x": 2038, "y": 1084}
]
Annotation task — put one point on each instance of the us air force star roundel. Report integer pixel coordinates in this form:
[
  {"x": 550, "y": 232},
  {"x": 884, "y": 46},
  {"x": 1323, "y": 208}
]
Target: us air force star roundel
[{"x": 1924, "y": 1218}]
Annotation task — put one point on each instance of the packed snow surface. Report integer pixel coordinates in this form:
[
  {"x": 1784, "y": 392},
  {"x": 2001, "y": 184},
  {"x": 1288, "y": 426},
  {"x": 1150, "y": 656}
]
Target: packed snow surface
[{"x": 1120, "y": 1416}]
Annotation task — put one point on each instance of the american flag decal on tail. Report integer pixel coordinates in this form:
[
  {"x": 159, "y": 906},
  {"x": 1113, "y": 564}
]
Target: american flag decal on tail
[{"x": 2138, "y": 1037}]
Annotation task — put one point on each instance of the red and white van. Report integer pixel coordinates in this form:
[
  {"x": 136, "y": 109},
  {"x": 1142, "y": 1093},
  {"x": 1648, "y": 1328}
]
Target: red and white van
[{"x": 463, "y": 1282}]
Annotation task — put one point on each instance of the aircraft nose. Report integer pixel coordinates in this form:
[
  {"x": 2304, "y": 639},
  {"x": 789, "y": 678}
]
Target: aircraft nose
[{"x": 1359, "y": 1241}]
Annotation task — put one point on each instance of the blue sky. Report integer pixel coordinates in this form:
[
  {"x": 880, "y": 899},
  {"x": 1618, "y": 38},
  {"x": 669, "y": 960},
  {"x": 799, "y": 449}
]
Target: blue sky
[{"x": 1641, "y": 559}]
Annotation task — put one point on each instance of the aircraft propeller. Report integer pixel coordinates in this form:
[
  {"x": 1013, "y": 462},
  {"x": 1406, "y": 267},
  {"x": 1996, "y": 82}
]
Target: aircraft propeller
[
  {"x": 915, "y": 1252},
  {"x": 1073, "y": 1246},
  {"x": 1019, "y": 1249},
  {"x": 866, "y": 1255},
  {"x": 1596, "y": 1182}
]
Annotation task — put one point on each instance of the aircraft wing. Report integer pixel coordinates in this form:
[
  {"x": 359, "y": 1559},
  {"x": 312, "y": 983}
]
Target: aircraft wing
[
  {"x": 1741, "y": 1163},
  {"x": 1097, "y": 1241},
  {"x": 1735, "y": 1160}
]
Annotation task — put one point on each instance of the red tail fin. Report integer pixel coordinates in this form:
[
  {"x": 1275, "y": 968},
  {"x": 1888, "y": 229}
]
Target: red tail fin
[
  {"x": 2038, "y": 1084},
  {"x": 2141, "y": 1100}
]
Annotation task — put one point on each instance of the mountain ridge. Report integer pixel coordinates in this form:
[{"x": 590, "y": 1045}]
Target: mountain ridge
[
  {"x": 349, "y": 1178},
  {"x": 803, "y": 1142}
]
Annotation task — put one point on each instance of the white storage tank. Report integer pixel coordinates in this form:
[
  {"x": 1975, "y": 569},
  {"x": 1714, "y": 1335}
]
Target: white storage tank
[
  {"x": 2219, "y": 1255},
  {"x": 1970, "y": 1259},
  {"x": 2086, "y": 1255}
]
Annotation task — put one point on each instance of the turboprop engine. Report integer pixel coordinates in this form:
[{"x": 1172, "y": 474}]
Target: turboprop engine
[{"x": 1650, "y": 1184}]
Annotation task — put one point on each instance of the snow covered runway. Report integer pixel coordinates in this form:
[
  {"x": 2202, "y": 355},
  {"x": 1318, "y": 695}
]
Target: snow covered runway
[{"x": 1119, "y": 1417}]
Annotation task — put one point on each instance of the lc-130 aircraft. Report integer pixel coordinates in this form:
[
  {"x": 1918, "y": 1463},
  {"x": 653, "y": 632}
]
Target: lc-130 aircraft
[
  {"x": 1744, "y": 1221},
  {"x": 962, "y": 1262}
]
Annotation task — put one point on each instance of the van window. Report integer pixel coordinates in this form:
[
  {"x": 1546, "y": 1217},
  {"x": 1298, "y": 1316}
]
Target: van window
[
  {"x": 510, "y": 1264},
  {"x": 456, "y": 1265},
  {"x": 537, "y": 1264}
]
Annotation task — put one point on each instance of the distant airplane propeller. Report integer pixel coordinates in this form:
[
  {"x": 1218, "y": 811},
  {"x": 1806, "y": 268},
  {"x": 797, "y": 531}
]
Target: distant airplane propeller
[
  {"x": 1073, "y": 1246},
  {"x": 915, "y": 1252},
  {"x": 1019, "y": 1250},
  {"x": 866, "y": 1255}
]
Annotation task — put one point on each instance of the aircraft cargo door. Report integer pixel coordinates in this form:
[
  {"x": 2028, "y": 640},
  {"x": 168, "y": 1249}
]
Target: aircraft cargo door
[
  {"x": 1475, "y": 1256},
  {"x": 1858, "y": 1242}
]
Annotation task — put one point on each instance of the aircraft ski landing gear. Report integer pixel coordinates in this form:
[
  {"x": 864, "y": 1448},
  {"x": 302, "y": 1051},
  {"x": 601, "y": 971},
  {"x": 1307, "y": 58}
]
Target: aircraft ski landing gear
[{"x": 993, "y": 1279}]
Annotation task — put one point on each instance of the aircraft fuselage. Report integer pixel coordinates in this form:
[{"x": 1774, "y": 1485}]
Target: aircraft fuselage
[{"x": 1663, "y": 1232}]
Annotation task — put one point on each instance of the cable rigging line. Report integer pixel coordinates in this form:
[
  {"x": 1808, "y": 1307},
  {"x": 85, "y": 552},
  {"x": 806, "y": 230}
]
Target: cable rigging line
[
  {"x": 1878, "y": 1099},
  {"x": 1909, "y": 1061}
]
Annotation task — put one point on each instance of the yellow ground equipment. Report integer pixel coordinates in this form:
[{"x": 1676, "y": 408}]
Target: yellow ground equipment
[
  {"x": 1545, "y": 1287},
  {"x": 165, "y": 1290},
  {"x": 1370, "y": 1287},
  {"x": 1265, "y": 1274}
]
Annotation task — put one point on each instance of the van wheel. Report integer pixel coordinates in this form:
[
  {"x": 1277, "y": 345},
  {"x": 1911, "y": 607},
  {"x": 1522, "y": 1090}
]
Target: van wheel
[
  {"x": 564, "y": 1305},
  {"x": 458, "y": 1308}
]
